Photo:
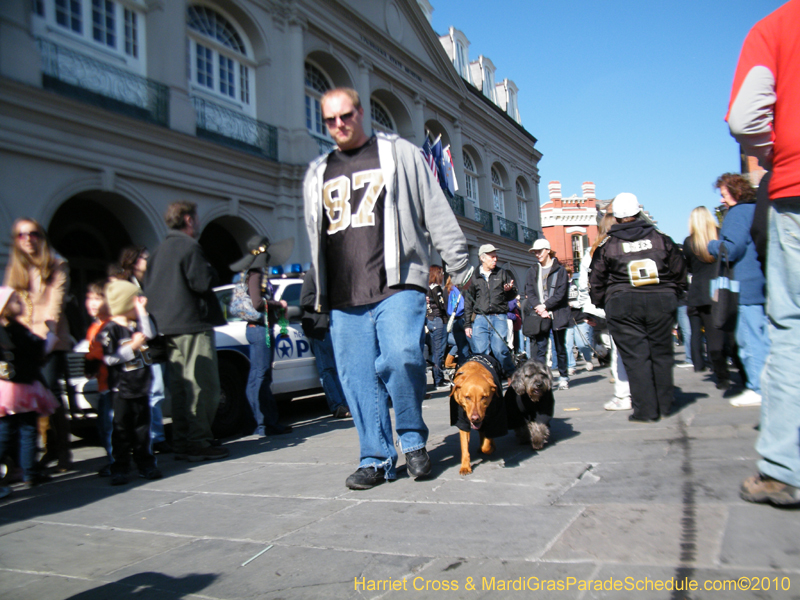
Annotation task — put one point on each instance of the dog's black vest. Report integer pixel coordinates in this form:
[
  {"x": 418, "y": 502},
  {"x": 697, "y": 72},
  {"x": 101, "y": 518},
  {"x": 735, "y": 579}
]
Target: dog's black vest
[{"x": 494, "y": 422}]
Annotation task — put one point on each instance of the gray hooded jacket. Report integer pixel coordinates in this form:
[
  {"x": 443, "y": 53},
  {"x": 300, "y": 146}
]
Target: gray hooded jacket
[{"x": 416, "y": 214}]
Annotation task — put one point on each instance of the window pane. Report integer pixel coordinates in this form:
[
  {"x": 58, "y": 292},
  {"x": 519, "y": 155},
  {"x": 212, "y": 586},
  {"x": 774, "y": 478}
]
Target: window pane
[
  {"x": 226, "y": 83},
  {"x": 103, "y": 26},
  {"x": 205, "y": 67},
  {"x": 497, "y": 198},
  {"x": 68, "y": 14},
  {"x": 468, "y": 162},
  {"x": 131, "y": 33},
  {"x": 315, "y": 79},
  {"x": 38, "y": 7},
  {"x": 380, "y": 116},
  {"x": 244, "y": 82}
]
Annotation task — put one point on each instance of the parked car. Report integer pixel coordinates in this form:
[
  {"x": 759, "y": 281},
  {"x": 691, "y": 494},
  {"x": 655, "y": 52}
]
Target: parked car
[{"x": 294, "y": 370}]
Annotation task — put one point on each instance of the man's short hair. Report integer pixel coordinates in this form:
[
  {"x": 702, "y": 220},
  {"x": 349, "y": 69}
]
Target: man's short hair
[
  {"x": 175, "y": 217},
  {"x": 349, "y": 92}
]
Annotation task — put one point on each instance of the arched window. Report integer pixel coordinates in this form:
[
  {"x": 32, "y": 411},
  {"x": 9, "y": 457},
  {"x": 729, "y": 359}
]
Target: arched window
[
  {"x": 522, "y": 205},
  {"x": 381, "y": 119},
  {"x": 470, "y": 179},
  {"x": 219, "y": 65},
  {"x": 497, "y": 193},
  {"x": 317, "y": 83}
]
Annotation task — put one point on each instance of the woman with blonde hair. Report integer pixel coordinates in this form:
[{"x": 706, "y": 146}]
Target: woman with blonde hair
[
  {"x": 41, "y": 279},
  {"x": 703, "y": 267}
]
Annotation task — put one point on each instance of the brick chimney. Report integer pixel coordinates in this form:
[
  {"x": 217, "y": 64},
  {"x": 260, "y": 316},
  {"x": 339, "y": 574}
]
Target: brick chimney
[
  {"x": 555, "y": 189},
  {"x": 588, "y": 190}
]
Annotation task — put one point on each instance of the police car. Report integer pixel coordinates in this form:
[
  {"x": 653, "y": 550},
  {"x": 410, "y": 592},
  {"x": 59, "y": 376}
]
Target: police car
[{"x": 294, "y": 369}]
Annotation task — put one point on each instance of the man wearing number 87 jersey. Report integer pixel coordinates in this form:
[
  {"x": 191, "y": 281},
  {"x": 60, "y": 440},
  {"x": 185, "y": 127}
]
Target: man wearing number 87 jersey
[
  {"x": 124, "y": 341},
  {"x": 373, "y": 209},
  {"x": 637, "y": 274}
]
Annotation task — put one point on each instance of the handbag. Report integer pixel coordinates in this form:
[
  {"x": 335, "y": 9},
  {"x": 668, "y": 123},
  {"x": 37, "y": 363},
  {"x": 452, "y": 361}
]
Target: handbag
[
  {"x": 724, "y": 294},
  {"x": 532, "y": 324},
  {"x": 240, "y": 305}
]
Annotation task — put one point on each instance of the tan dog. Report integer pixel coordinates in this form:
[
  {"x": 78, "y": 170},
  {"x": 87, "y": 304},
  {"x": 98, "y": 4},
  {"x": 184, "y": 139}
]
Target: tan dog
[{"x": 473, "y": 390}]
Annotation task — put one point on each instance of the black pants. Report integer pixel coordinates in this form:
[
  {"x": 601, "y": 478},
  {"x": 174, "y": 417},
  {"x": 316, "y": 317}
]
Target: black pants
[
  {"x": 641, "y": 325},
  {"x": 560, "y": 341},
  {"x": 131, "y": 434},
  {"x": 715, "y": 338}
]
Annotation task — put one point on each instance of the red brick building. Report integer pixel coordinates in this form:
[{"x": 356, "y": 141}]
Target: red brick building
[{"x": 570, "y": 224}]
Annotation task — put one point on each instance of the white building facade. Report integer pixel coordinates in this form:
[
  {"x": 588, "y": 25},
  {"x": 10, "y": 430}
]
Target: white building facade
[{"x": 112, "y": 109}]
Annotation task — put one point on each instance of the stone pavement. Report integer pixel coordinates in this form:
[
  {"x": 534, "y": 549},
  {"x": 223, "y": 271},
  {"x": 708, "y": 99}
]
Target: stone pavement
[{"x": 608, "y": 503}]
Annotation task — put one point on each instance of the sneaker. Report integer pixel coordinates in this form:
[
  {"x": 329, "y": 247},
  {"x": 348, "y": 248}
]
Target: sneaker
[
  {"x": 366, "y": 478},
  {"x": 571, "y": 371},
  {"x": 618, "y": 404},
  {"x": 418, "y": 463},
  {"x": 684, "y": 365},
  {"x": 746, "y": 398},
  {"x": 761, "y": 488},
  {"x": 341, "y": 412},
  {"x": 589, "y": 365},
  {"x": 151, "y": 473},
  {"x": 37, "y": 479},
  {"x": 563, "y": 384},
  {"x": 443, "y": 387},
  {"x": 208, "y": 453},
  {"x": 119, "y": 479}
]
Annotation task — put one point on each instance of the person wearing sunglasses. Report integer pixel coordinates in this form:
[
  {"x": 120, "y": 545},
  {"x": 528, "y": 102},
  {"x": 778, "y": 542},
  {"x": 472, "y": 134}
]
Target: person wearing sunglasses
[
  {"x": 373, "y": 209},
  {"x": 41, "y": 279}
]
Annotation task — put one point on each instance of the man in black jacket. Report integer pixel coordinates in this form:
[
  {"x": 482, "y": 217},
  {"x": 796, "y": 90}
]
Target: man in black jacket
[
  {"x": 178, "y": 285},
  {"x": 485, "y": 307},
  {"x": 636, "y": 274}
]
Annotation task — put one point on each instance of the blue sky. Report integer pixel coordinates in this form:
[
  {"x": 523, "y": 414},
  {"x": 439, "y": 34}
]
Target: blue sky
[{"x": 628, "y": 94}]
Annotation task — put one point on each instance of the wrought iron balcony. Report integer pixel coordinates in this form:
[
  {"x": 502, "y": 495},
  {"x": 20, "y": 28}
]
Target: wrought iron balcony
[
  {"x": 233, "y": 129},
  {"x": 325, "y": 145},
  {"x": 508, "y": 229},
  {"x": 484, "y": 217},
  {"x": 457, "y": 204},
  {"x": 93, "y": 81},
  {"x": 529, "y": 235}
]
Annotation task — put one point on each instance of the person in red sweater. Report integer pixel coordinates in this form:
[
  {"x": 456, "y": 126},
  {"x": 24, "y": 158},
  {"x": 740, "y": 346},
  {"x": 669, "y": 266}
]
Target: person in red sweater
[{"x": 764, "y": 117}]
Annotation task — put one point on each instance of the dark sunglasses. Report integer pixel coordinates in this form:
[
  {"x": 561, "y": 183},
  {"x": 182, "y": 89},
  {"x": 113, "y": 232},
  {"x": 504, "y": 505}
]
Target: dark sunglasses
[
  {"x": 331, "y": 121},
  {"x": 34, "y": 235}
]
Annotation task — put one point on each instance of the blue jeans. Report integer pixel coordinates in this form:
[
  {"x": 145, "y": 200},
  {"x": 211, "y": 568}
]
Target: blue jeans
[
  {"x": 438, "y": 343},
  {"x": 752, "y": 337},
  {"x": 156, "y": 400},
  {"x": 105, "y": 422},
  {"x": 484, "y": 338},
  {"x": 378, "y": 349},
  {"x": 326, "y": 368},
  {"x": 578, "y": 336},
  {"x": 259, "y": 381},
  {"x": 686, "y": 331},
  {"x": 25, "y": 424},
  {"x": 779, "y": 435},
  {"x": 459, "y": 341}
]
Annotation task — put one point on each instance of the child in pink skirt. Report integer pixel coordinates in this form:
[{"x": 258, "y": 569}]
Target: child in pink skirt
[{"x": 23, "y": 396}]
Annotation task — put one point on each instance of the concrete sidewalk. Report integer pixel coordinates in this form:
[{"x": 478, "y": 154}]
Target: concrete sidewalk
[{"x": 608, "y": 503}]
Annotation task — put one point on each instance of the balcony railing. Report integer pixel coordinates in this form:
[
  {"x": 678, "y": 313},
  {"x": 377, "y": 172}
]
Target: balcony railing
[
  {"x": 325, "y": 145},
  {"x": 484, "y": 217},
  {"x": 529, "y": 235},
  {"x": 457, "y": 204},
  {"x": 93, "y": 81},
  {"x": 508, "y": 229},
  {"x": 233, "y": 129}
]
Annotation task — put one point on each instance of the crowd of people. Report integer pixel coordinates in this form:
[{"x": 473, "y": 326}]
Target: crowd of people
[{"x": 373, "y": 211}]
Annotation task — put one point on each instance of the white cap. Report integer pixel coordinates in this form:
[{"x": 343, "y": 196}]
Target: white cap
[
  {"x": 485, "y": 249},
  {"x": 540, "y": 244},
  {"x": 625, "y": 205}
]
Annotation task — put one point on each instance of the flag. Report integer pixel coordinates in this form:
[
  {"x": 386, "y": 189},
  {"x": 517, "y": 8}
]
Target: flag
[
  {"x": 438, "y": 156},
  {"x": 428, "y": 155},
  {"x": 450, "y": 172}
]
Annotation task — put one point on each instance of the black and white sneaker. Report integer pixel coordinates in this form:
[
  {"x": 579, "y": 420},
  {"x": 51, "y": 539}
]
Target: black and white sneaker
[
  {"x": 418, "y": 463},
  {"x": 366, "y": 478}
]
